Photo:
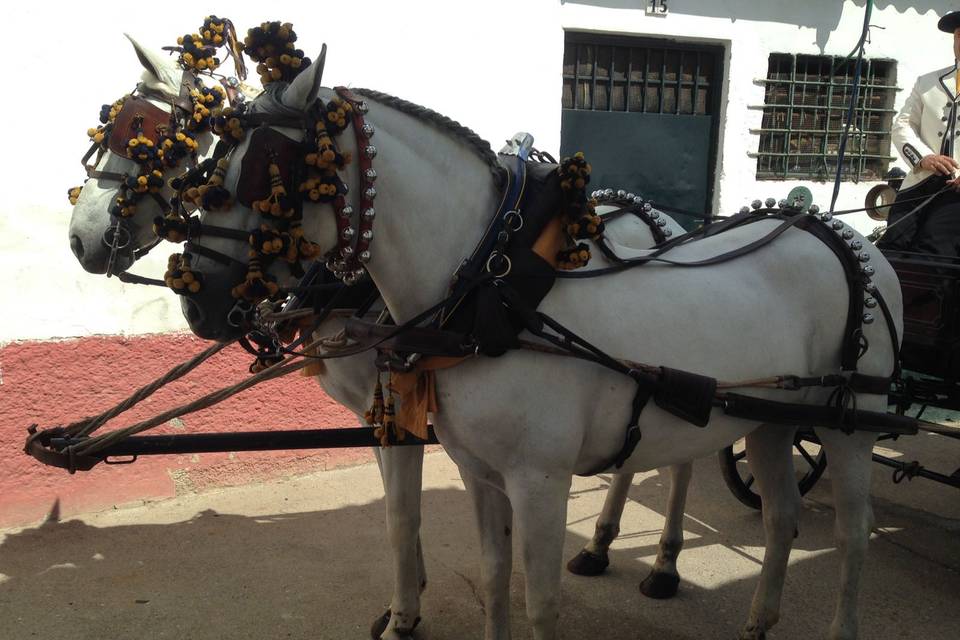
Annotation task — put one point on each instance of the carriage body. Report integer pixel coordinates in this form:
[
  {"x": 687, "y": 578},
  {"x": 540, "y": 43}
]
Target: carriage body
[{"x": 931, "y": 313}]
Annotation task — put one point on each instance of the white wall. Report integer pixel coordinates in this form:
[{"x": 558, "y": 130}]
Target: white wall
[{"x": 495, "y": 66}]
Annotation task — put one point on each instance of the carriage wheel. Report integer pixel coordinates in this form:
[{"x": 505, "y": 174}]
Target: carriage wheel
[{"x": 809, "y": 461}]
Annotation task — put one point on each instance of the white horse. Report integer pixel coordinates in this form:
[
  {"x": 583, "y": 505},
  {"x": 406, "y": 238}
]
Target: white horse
[
  {"x": 160, "y": 84},
  {"x": 348, "y": 380},
  {"x": 542, "y": 418}
]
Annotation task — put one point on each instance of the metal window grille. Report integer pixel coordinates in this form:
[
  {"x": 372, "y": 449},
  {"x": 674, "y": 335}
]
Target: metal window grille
[
  {"x": 805, "y": 111},
  {"x": 610, "y": 74}
]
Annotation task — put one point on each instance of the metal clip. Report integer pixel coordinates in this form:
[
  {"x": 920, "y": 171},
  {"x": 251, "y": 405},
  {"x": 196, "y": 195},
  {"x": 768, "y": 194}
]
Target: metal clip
[{"x": 519, "y": 145}]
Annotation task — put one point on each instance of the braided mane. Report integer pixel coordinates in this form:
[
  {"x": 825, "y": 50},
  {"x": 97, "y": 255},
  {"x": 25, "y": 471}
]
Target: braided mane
[{"x": 477, "y": 144}]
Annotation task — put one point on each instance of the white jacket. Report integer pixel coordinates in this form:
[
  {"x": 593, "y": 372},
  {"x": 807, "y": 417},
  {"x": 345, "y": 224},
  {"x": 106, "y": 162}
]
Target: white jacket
[{"x": 921, "y": 126}]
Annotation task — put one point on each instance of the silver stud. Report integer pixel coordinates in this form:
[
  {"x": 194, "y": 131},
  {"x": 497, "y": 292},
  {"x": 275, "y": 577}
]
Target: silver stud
[
  {"x": 744, "y": 210},
  {"x": 654, "y": 215},
  {"x": 837, "y": 225},
  {"x": 370, "y": 174},
  {"x": 869, "y": 287},
  {"x": 346, "y": 212},
  {"x": 813, "y": 209},
  {"x": 868, "y": 318},
  {"x": 647, "y": 207},
  {"x": 667, "y": 233},
  {"x": 856, "y": 245},
  {"x": 370, "y": 151},
  {"x": 769, "y": 202},
  {"x": 782, "y": 204},
  {"x": 367, "y": 235},
  {"x": 864, "y": 257},
  {"x": 370, "y": 193},
  {"x": 868, "y": 271},
  {"x": 368, "y": 129},
  {"x": 869, "y": 303},
  {"x": 637, "y": 200},
  {"x": 348, "y": 233},
  {"x": 369, "y": 213},
  {"x": 364, "y": 256},
  {"x": 362, "y": 107},
  {"x": 347, "y": 252},
  {"x": 826, "y": 217},
  {"x": 756, "y": 204},
  {"x": 349, "y": 279},
  {"x": 847, "y": 234},
  {"x": 621, "y": 193},
  {"x": 608, "y": 193},
  {"x": 631, "y": 196},
  {"x": 661, "y": 222}
]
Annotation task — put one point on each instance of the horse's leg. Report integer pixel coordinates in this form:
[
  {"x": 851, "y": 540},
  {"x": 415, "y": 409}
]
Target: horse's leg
[
  {"x": 664, "y": 579},
  {"x": 593, "y": 558},
  {"x": 771, "y": 462},
  {"x": 495, "y": 524},
  {"x": 540, "y": 503},
  {"x": 402, "y": 471},
  {"x": 850, "y": 463}
]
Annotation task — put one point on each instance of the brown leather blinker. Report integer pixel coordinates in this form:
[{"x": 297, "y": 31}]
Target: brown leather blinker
[{"x": 137, "y": 114}]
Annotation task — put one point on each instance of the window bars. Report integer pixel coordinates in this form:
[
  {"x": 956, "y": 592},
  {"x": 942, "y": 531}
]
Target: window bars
[
  {"x": 611, "y": 74},
  {"x": 806, "y": 99}
]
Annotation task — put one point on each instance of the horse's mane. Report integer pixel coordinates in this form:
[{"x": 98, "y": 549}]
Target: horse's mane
[{"x": 477, "y": 144}]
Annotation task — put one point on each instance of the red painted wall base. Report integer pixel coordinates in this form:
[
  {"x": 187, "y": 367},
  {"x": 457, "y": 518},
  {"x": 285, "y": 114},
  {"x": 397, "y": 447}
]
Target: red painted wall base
[{"x": 58, "y": 382}]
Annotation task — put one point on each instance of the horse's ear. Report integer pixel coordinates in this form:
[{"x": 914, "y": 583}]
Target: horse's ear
[
  {"x": 303, "y": 91},
  {"x": 157, "y": 64}
]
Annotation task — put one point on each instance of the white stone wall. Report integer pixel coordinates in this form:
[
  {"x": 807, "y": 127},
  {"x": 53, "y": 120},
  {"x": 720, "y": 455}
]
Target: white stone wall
[{"x": 495, "y": 66}]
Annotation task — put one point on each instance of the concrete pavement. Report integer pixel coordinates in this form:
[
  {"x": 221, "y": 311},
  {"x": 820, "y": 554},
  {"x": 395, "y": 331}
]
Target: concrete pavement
[{"x": 307, "y": 558}]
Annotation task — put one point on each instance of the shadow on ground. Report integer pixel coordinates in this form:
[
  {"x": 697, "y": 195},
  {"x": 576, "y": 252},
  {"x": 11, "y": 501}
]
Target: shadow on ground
[{"x": 323, "y": 572}]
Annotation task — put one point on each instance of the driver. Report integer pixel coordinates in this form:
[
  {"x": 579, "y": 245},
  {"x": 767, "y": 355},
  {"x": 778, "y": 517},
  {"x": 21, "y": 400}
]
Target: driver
[{"x": 924, "y": 133}]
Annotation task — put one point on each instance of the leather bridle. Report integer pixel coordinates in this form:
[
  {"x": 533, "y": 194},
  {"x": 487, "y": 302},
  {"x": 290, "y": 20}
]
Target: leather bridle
[{"x": 138, "y": 111}]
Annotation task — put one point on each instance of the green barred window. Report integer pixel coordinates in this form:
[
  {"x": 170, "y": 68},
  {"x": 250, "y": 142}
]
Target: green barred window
[
  {"x": 638, "y": 76},
  {"x": 805, "y": 112}
]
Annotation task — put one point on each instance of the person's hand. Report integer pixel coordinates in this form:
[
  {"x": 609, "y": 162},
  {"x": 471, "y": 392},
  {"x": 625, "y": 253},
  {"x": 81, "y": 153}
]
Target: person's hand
[{"x": 944, "y": 165}]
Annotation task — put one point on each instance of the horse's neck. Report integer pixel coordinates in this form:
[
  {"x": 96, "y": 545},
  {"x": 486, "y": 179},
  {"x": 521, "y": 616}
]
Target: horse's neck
[{"x": 436, "y": 197}]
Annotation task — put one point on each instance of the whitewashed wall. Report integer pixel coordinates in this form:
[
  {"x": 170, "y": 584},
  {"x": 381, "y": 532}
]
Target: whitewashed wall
[{"x": 495, "y": 66}]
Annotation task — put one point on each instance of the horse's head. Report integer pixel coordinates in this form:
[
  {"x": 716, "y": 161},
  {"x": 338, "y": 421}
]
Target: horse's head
[
  {"x": 245, "y": 253},
  {"x": 111, "y": 224}
]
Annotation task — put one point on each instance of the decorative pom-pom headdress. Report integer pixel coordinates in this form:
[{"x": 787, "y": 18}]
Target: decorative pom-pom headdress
[{"x": 272, "y": 46}]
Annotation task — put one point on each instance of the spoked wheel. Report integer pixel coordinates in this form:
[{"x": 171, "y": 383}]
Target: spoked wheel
[{"x": 809, "y": 460}]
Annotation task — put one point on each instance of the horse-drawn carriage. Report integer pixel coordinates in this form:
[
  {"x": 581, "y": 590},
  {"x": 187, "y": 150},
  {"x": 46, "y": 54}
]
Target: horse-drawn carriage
[{"x": 576, "y": 411}]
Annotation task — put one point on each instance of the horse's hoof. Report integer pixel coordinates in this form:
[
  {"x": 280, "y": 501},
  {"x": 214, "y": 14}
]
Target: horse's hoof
[
  {"x": 586, "y": 563},
  {"x": 660, "y": 585},
  {"x": 752, "y": 633},
  {"x": 380, "y": 625}
]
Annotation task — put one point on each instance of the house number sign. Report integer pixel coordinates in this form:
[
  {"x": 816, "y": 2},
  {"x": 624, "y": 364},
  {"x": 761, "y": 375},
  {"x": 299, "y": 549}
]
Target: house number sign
[{"x": 657, "y": 7}]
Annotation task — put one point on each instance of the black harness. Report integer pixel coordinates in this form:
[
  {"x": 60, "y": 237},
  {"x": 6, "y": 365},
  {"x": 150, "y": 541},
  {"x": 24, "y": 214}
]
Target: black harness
[{"x": 498, "y": 289}]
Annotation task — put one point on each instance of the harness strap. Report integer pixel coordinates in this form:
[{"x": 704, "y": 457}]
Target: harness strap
[{"x": 831, "y": 416}]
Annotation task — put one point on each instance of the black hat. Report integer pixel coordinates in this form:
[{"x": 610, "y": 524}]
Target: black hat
[{"x": 950, "y": 22}]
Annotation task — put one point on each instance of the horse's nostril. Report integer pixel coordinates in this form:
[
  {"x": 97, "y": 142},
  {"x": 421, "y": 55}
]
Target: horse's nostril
[{"x": 76, "y": 245}]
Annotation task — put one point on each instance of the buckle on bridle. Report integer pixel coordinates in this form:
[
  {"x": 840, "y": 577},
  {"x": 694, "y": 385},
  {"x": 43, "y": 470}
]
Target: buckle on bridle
[{"x": 503, "y": 261}]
